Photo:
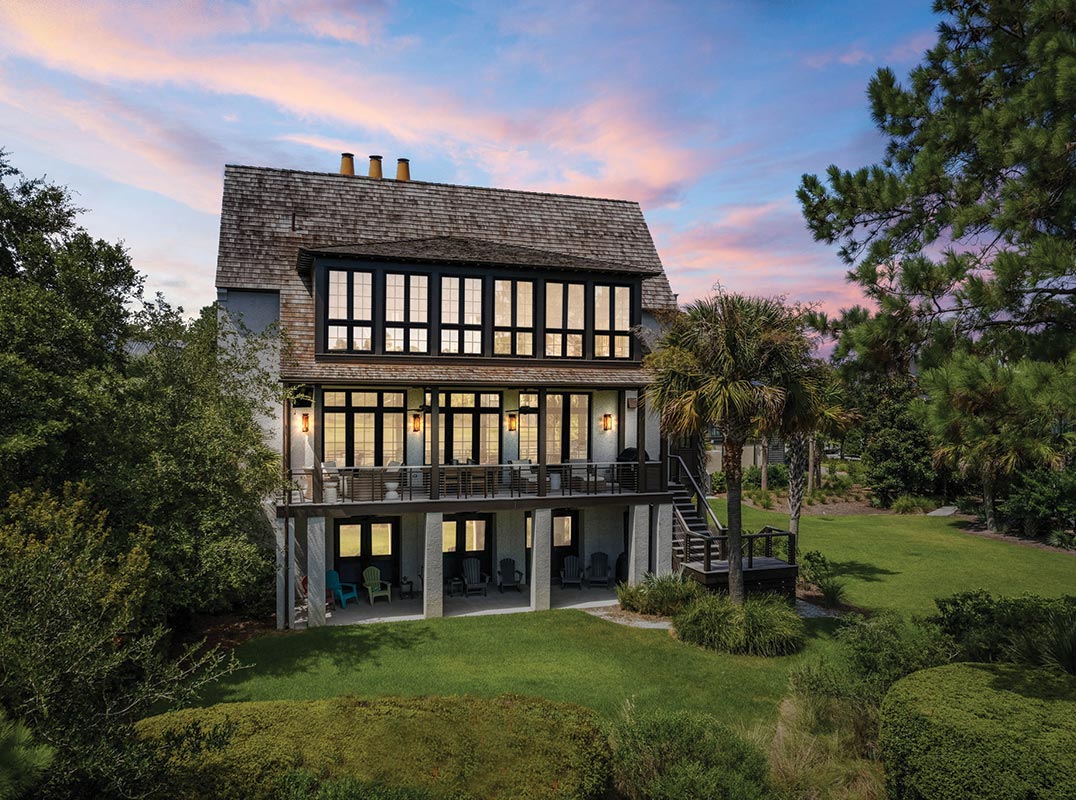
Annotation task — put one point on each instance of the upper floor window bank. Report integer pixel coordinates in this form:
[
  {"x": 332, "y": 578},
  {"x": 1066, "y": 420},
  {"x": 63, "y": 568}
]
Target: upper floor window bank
[{"x": 419, "y": 313}]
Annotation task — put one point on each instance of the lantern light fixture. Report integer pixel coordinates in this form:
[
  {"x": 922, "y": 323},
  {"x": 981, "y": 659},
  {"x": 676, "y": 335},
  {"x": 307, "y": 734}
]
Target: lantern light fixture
[
  {"x": 513, "y": 421},
  {"x": 607, "y": 422},
  {"x": 416, "y": 422},
  {"x": 306, "y": 423}
]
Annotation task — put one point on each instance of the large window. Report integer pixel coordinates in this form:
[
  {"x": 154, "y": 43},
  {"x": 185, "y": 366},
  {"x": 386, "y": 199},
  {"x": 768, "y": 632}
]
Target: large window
[
  {"x": 461, "y": 316},
  {"x": 567, "y": 433},
  {"x": 407, "y": 313},
  {"x": 513, "y": 318},
  {"x": 612, "y": 321},
  {"x": 564, "y": 319},
  {"x": 363, "y": 429},
  {"x": 350, "y": 311},
  {"x": 469, "y": 429}
]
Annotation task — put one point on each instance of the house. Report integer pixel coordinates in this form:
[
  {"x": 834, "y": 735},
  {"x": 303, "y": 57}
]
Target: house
[{"x": 467, "y": 363}]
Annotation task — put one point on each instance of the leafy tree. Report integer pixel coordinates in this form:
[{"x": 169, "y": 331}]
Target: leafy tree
[
  {"x": 967, "y": 227},
  {"x": 1042, "y": 500},
  {"x": 80, "y": 665},
  {"x": 897, "y": 448},
  {"x": 728, "y": 362}
]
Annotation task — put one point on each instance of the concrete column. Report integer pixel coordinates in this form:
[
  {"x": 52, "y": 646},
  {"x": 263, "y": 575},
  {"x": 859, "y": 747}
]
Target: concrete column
[
  {"x": 663, "y": 539},
  {"x": 315, "y": 571},
  {"x": 541, "y": 554},
  {"x": 432, "y": 572},
  {"x": 638, "y": 542},
  {"x": 292, "y": 588},
  {"x": 280, "y": 533}
]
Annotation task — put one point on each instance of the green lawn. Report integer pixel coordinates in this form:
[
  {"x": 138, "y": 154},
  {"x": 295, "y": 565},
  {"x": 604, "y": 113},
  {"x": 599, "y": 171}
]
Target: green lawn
[
  {"x": 890, "y": 562},
  {"x": 904, "y": 562}
]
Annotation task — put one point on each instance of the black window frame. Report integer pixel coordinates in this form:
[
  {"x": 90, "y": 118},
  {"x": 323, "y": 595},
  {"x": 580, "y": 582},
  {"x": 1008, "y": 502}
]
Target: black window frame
[
  {"x": 462, "y": 327},
  {"x": 350, "y": 408},
  {"x": 563, "y": 330},
  {"x": 612, "y": 331},
  {"x": 514, "y": 329},
  {"x": 351, "y": 322},
  {"x": 448, "y": 428},
  {"x": 407, "y": 324}
]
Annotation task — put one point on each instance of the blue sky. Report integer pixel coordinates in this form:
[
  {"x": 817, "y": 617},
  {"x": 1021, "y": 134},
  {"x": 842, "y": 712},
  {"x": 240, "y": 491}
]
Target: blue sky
[{"x": 707, "y": 114}]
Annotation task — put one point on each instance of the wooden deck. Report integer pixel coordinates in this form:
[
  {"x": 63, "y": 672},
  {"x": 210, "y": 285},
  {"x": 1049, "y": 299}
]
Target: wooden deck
[{"x": 766, "y": 575}]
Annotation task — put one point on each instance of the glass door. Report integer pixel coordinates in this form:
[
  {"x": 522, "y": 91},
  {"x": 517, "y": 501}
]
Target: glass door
[
  {"x": 361, "y": 544},
  {"x": 466, "y": 536}
]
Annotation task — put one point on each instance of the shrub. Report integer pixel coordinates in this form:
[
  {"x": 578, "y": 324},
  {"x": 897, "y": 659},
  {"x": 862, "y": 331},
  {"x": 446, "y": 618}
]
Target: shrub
[
  {"x": 762, "y": 626},
  {"x": 833, "y": 591},
  {"x": 659, "y": 595},
  {"x": 717, "y": 483},
  {"x": 1066, "y": 541},
  {"x": 908, "y": 504},
  {"x": 1050, "y": 644},
  {"x": 777, "y": 476},
  {"x": 763, "y": 499},
  {"x": 22, "y": 761},
  {"x": 992, "y": 732},
  {"x": 508, "y": 746},
  {"x": 813, "y": 567},
  {"x": 984, "y": 627},
  {"x": 1041, "y": 500},
  {"x": 303, "y": 785},
  {"x": 752, "y": 477},
  {"x": 682, "y": 756}
]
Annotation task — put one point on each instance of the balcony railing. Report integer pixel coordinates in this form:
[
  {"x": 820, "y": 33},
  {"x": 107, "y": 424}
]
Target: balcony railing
[{"x": 470, "y": 481}]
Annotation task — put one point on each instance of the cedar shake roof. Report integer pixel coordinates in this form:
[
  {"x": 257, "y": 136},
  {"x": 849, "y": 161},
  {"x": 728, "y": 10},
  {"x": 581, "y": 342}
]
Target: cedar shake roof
[
  {"x": 269, "y": 215},
  {"x": 457, "y": 250}
]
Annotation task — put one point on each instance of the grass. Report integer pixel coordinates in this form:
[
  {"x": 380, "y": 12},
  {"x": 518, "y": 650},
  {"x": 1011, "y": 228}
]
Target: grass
[
  {"x": 567, "y": 656},
  {"x": 903, "y": 562}
]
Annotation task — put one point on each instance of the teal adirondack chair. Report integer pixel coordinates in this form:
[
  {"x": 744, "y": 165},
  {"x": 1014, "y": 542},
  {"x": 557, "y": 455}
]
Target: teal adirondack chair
[
  {"x": 371, "y": 579},
  {"x": 342, "y": 591}
]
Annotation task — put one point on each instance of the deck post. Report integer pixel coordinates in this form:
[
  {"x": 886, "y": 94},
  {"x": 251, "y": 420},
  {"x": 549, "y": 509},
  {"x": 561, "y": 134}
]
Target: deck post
[
  {"x": 640, "y": 434},
  {"x": 663, "y": 540},
  {"x": 543, "y": 445},
  {"x": 315, "y": 572},
  {"x": 432, "y": 567},
  {"x": 292, "y": 587},
  {"x": 435, "y": 444},
  {"x": 638, "y": 542},
  {"x": 541, "y": 556},
  {"x": 280, "y": 531}
]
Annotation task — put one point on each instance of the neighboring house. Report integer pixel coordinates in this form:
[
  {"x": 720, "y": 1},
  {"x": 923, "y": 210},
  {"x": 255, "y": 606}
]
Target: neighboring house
[{"x": 473, "y": 370}]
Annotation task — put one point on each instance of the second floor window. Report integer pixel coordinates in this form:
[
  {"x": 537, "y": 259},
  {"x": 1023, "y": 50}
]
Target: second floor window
[
  {"x": 406, "y": 313},
  {"x": 461, "y": 316},
  {"x": 363, "y": 429},
  {"x": 513, "y": 318},
  {"x": 612, "y": 321},
  {"x": 564, "y": 319},
  {"x": 350, "y": 311}
]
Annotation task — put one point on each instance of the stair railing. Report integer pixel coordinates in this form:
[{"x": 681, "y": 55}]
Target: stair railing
[
  {"x": 685, "y": 473},
  {"x": 687, "y": 535}
]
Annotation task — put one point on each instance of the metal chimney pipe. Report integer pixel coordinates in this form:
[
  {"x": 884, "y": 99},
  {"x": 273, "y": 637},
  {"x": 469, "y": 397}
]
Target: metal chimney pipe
[
  {"x": 347, "y": 163},
  {"x": 375, "y": 167},
  {"x": 403, "y": 169}
]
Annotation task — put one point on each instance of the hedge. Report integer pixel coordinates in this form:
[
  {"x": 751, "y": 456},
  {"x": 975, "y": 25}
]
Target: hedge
[
  {"x": 988, "y": 731},
  {"x": 451, "y": 747}
]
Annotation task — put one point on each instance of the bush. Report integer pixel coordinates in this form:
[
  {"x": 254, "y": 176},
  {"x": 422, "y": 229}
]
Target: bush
[
  {"x": 508, "y": 746},
  {"x": 1050, "y": 644},
  {"x": 908, "y": 504},
  {"x": 682, "y": 756},
  {"x": 659, "y": 595},
  {"x": 1041, "y": 500},
  {"x": 763, "y": 499},
  {"x": 1066, "y": 541},
  {"x": 762, "y": 626},
  {"x": 303, "y": 785},
  {"x": 833, "y": 591},
  {"x": 777, "y": 476},
  {"x": 22, "y": 761},
  {"x": 813, "y": 567},
  {"x": 752, "y": 478},
  {"x": 717, "y": 483},
  {"x": 985, "y": 628},
  {"x": 992, "y": 732}
]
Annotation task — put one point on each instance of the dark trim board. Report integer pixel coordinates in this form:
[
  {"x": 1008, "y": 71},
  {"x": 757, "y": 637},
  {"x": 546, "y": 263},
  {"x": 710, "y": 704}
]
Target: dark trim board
[{"x": 464, "y": 505}]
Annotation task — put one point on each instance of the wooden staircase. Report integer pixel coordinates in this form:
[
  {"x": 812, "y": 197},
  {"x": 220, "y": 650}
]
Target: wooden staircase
[{"x": 687, "y": 548}]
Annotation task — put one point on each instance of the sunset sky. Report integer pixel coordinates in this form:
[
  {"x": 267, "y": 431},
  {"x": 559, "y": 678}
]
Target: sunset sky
[{"x": 707, "y": 113}]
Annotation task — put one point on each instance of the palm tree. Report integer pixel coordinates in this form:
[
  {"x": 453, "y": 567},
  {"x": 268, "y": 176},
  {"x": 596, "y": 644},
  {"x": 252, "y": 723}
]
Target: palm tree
[
  {"x": 990, "y": 418},
  {"x": 727, "y": 361}
]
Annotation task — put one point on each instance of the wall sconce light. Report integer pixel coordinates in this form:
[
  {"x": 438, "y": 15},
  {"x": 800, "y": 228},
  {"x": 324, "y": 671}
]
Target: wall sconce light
[
  {"x": 416, "y": 422},
  {"x": 607, "y": 422},
  {"x": 306, "y": 423},
  {"x": 513, "y": 422}
]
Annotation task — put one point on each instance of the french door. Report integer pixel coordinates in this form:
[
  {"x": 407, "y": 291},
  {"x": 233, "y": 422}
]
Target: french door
[
  {"x": 470, "y": 428},
  {"x": 567, "y": 433},
  {"x": 564, "y": 541},
  {"x": 364, "y": 543},
  {"x": 466, "y": 536}
]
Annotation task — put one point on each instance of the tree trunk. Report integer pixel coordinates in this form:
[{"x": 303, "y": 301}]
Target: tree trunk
[
  {"x": 765, "y": 442},
  {"x": 732, "y": 459},
  {"x": 796, "y": 445},
  {"x": 701, "y": 455},
  {"x": 811, "y": 457},
  {"x": 819, "y": 457},
  {"x": 988, "y": 503}
]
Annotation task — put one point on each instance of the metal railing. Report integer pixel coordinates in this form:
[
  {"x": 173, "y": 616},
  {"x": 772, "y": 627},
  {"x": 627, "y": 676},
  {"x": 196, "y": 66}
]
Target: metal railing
[
  {"x": 679, "y": 472},
  {"x": 706, "y": 548},
  {"x": 406, "y": 483}
]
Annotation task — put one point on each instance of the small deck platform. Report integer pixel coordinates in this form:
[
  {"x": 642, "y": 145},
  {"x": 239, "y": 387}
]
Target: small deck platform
[{"x": 767, "y": 574}]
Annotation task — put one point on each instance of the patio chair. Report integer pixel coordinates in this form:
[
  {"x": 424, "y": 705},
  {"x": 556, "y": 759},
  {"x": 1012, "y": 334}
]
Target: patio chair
[
  {"x": 342, "y": 591},
  {"x": 570, "y": 572},
  {"x": 371, "y": 579},
  {"x": 332, "y": 482},
  {"x": 474, "y": 579},
  {"x": 510, "y": 576},
  {"x": 599, "y": 573}
]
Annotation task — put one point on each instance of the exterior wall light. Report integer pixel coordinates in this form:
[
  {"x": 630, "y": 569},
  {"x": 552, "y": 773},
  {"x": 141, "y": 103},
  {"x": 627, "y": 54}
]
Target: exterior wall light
[
  {"x": 513, "y": 422},
  {"x": 306, "y": 423},
  {"x": 416, "y": 422},
  {"x": 607, "y": 422}
]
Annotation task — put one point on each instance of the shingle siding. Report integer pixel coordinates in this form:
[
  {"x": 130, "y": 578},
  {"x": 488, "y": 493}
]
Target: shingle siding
[{"x": 267, "y": 215}]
